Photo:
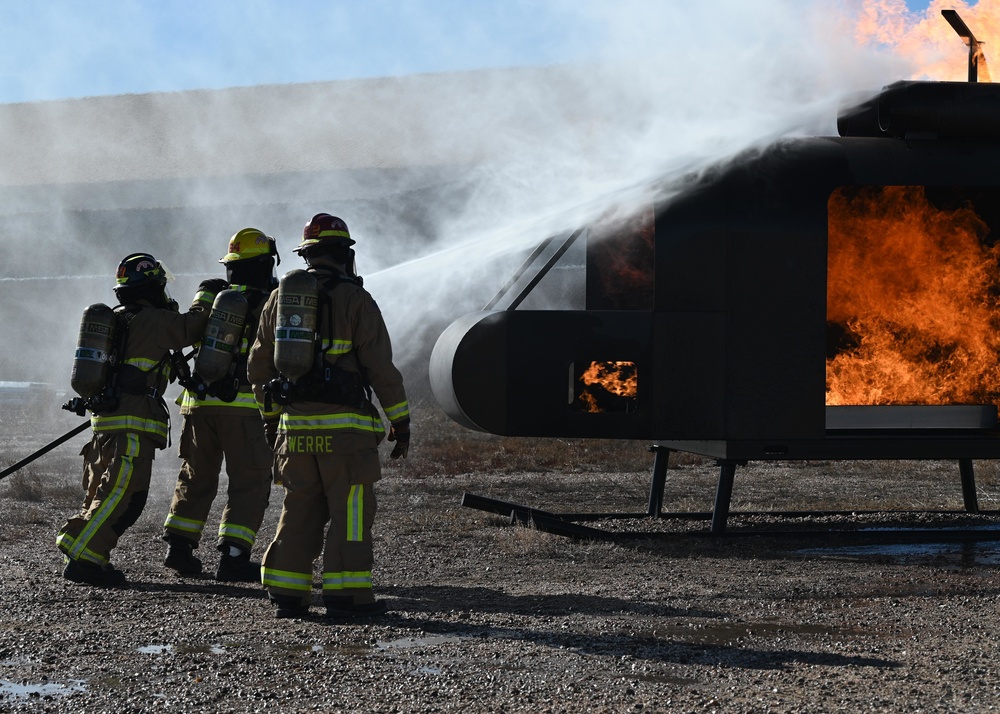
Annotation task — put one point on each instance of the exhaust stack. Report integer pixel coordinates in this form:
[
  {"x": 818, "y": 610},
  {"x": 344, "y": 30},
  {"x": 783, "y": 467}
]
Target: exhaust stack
[{"x": 977, "y": 58}]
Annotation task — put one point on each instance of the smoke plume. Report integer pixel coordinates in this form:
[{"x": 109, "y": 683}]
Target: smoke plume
[{"x": 446, "y": 178}]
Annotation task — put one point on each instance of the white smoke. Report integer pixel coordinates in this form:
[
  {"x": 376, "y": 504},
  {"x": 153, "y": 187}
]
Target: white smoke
[
  {"x": 669, "y": 89},
  {"x": 485, "y": 164}
]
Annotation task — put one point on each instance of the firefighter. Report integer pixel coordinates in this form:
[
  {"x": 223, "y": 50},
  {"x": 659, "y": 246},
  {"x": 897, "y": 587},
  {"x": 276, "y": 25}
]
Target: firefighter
[
  {"x": 325, "y": 427},
  {"x": 225, "y": 424},
  {"x": 130, "y": 420}
]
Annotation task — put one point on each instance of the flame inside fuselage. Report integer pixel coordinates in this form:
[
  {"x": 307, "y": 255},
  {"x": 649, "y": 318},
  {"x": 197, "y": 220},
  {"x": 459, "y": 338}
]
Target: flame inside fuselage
[
  {"x": 913, "y": 298},
  {"x": 608, "y": 383}
]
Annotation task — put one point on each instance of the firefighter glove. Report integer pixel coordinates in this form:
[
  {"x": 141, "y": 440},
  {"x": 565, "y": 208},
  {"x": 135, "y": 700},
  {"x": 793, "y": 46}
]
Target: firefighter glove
[
  {"x": 400, "y": 433},
  {"x": 213, "y": 285},
  {"x": 271, "y": 432}
]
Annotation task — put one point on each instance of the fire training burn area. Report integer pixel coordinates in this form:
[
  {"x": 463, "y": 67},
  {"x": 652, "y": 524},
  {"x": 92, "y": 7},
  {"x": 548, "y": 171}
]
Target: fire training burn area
[
  {"x": 822, "y": 298},
  {"x": 822, "y": 314}
]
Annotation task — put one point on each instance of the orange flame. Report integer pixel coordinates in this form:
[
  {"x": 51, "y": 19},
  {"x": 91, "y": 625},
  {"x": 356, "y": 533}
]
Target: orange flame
[
  {"x": 617, "y": 378},
  {"x": 926, "y": 40},
  {"x": 918, "y": 293}
]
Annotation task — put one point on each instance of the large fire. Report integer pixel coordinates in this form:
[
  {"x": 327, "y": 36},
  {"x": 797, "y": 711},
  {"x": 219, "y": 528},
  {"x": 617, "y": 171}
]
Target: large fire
[
  {"x": 915, "y": 290},
  {"x": 926, "y": 41}
]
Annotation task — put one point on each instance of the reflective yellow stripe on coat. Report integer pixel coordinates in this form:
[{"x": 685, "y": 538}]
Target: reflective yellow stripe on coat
[
  {"x": 397, "y": 411},
  {"x": 128, "y": 422},
  {"x": 243, "y": 399},
  {"x": 343, "y": 421}
]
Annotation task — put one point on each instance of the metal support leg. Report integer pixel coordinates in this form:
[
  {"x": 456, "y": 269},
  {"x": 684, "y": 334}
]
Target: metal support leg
[
  {"x": 660, "y": 462},
  {"x": 968, "y": 485},
  {"x": 723, "y": 495}
]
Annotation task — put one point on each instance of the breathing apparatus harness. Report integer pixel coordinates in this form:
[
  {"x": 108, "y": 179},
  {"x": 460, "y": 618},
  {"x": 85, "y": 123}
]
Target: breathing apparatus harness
[
  {"x": 123, "y": 378},
  {"x": 324, "y": 383},
  {"x": 228, "y": 388}
]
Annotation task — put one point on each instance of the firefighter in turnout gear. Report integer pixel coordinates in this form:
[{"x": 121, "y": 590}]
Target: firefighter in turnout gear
[
  {"x": 221, "y": 421},
  {"x": 326, "y": 427},
  {"x": 130, "y": 420}
]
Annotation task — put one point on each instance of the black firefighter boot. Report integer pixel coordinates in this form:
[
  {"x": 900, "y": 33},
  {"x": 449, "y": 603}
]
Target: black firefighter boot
[
  {"x": 343, "y": 607},
  {"x": 180, "y": 555},
  {"x": 235, "y": 565},
  {"x": 106, "y": 576},
  {"x": 288, "y": 607}
]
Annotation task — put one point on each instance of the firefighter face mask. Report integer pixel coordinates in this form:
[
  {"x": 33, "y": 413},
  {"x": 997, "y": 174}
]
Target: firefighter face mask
[{"x": 339, "y": 255}]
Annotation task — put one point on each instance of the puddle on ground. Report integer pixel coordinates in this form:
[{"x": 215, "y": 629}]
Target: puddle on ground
[
  {"x": 48, "y": 689},
  {"x": 407, "y": 643},
  {"x": 427, "y": 670},
  {"x": 958, "y": 555},
  {"x": 985, "y": 556},
  {"x": 364, "y": 650},
  {"x": 182, "y": 649},
  {"x": 729, "y": 634}
]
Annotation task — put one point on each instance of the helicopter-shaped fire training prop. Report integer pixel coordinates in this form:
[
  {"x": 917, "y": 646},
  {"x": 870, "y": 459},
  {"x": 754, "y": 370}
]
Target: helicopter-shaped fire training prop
[{"x": 825, "y": 298}]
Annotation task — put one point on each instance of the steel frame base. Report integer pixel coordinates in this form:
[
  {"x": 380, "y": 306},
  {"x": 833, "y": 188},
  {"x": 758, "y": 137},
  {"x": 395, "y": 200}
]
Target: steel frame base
[{"x": 564, "y": 524}]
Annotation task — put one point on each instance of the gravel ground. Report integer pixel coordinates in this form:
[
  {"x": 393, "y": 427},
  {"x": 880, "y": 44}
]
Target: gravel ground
[{"x": 823, "y": 613}]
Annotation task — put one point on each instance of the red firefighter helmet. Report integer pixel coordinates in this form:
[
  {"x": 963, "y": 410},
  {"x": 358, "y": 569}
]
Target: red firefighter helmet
[{"x": 324, "y": 229}]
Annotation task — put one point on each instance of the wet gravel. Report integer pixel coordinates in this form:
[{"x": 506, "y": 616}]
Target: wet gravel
[{"x": 851, "y": 612}]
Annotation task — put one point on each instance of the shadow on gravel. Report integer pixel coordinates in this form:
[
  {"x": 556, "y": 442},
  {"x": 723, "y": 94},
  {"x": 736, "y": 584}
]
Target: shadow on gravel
[
  {"x": 664, "y": 649},
  {"x": 781, "y": 540},
  {"x": 206, "y": 586},
  {"x": 445, "y": 598}
]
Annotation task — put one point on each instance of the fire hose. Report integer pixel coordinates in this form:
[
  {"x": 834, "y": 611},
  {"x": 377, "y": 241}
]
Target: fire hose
[
  {"x": 177, "y": 359},
  {"x": 44, "y": 450}
]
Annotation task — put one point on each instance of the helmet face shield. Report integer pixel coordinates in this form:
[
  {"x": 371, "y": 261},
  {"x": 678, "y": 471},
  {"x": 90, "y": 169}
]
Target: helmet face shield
[
  {"x": 253, "y": 272},
  {"x": 169, "y": 276}
]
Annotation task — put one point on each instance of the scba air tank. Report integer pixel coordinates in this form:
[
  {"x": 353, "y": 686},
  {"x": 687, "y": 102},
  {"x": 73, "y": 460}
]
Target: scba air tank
[
  {"x": 223, "y": 336},
  {"x": 93, "y": 351},
  {"x": 295, "y": 332}
]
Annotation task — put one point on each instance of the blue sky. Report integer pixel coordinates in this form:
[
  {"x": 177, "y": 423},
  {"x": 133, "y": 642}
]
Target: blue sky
[{"x": 54, "y": 49}]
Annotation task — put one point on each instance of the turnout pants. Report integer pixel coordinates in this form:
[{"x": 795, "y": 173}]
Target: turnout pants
[
  {"x": 329, "y": 507},
  {"x": 116, "y": 472},
  {"x": 205, "y": 440}
]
